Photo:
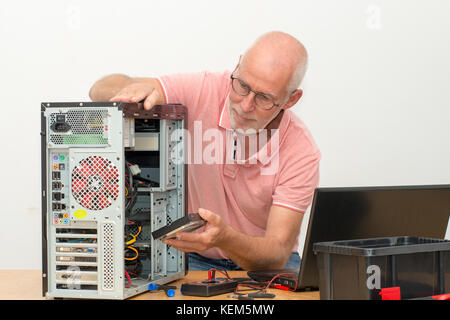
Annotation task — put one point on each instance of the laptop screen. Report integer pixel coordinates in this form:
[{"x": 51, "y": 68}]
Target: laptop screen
[{"x": 369, "y": 212}]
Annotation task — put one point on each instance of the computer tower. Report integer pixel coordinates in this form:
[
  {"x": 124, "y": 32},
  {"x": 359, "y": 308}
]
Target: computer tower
[{"x": 112, "y": 173}]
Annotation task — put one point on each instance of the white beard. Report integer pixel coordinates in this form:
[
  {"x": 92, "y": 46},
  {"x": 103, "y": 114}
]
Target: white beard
[{"x": 249, "y": 131}]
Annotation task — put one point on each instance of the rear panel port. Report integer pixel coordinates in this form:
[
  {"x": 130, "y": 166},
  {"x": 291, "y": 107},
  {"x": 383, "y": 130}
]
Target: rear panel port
[
  {"x": 60, "y": 125},
  {"x": 57, "y": 196},
  {"x": 57, "y": 185},
  {"x": 56, "y": 175}
]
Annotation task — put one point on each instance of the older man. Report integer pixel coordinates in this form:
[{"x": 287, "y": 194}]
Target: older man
[{"x": 254, "y": 209}]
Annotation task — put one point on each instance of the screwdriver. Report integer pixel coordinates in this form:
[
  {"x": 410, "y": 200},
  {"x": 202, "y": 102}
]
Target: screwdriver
[{"x": 169, "y": 290}]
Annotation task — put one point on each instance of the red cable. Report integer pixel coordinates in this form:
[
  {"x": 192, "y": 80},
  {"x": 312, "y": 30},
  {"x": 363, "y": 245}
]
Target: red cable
[
  {"x": 129, "y": 279},
  {"x": 281, "y": 286},
  {"x": 221, "y": 271}
]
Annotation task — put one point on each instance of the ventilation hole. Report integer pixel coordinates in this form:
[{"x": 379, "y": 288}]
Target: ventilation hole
[
  {"x": 95, "y": 183},
  {"x": 86, "y": 127},
  {"x": 108, "y": 256}
]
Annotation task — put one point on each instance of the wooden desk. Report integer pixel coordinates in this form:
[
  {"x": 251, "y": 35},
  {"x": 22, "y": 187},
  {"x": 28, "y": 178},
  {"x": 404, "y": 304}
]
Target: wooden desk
[{"x": 27, "y": 285}]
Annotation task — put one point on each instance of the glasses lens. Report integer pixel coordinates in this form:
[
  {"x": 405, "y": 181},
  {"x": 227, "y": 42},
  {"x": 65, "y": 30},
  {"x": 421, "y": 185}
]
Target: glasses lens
[
  {"x": 240, "y": 87},
  {"x": 263, "y": 101}
]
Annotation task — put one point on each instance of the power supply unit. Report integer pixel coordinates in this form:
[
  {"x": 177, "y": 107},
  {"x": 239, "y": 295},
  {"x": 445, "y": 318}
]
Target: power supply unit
[{"x": 112, "y": 173}]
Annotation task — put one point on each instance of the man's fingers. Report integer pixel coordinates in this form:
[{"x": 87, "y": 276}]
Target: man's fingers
[
  {"x": 122, "y": 96},
  {"x": 134, "y": 93},
  {"x": 151, "y": 100},
  {"x": 138, "y": 96},
  {"x": 208, "y": 216},
  {"x": 117, "y": 97},
  {"x": 190, "y": 236},
  {"x": 185, "y": 246}
]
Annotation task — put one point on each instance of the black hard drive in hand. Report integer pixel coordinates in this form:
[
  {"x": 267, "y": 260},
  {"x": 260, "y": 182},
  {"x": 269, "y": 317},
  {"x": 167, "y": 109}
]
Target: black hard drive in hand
[{"x": 188, "y": 223}]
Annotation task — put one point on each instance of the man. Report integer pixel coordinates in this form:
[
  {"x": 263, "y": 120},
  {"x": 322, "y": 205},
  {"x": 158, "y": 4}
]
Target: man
[{"x": 253, "y": 216}]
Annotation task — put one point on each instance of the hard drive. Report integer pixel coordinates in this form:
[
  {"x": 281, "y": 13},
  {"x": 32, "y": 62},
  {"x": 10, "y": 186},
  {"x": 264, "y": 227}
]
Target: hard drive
[{"x": 187, "y": 223}]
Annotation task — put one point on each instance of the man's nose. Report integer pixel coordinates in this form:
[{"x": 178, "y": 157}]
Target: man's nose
[{"x": 248, "y": 102}]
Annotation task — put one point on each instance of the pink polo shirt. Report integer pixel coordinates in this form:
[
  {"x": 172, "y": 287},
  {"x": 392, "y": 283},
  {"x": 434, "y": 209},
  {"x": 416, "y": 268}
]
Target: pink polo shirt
[{"x": 241, "y": 193}]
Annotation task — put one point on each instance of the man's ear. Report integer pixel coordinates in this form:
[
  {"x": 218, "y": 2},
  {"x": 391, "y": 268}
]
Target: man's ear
[{"x": 293, "y": 99}]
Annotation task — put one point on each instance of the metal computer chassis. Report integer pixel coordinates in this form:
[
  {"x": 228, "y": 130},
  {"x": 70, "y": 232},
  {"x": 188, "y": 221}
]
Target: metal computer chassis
[{"x": 87, "y": 216}]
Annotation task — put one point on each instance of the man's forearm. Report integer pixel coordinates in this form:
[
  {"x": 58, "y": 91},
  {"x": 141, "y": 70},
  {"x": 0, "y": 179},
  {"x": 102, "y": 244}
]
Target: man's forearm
[
  {"x": 253, "y": 253},
  {"x": 107, "y": 87},
  {"x": 268, "y": 252}
]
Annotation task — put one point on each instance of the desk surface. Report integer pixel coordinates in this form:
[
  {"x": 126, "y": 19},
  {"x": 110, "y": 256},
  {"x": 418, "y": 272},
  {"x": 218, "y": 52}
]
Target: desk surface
[{"x": 27, "y": 284}]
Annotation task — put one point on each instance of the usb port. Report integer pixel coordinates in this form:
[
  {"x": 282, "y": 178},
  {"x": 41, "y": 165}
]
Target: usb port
[
  {"x": 57, "y": 196},
  {"x": 56, "y": 175},
  {"x": 57, "y": 185},
  {"x": 56, "y": 206}
]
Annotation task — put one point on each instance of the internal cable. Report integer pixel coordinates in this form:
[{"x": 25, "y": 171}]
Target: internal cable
[
  {"x": 129, "y": 279},
  {"x": 133, "y": 240},
  {"x": 135, "y": 257}
]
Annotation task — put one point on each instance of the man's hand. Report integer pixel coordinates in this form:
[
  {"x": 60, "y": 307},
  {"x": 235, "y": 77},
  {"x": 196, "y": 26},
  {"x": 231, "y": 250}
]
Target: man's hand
[
  {"x": 139, "y": 91},
  {"x": 213, "y": 235},
  {"x": 270, "y": 251},
  {"x": 120, "y": 87}
]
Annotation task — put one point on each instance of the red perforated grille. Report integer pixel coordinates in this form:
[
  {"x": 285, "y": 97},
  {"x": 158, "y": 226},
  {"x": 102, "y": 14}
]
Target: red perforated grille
[{"x": 95, "y": 183}]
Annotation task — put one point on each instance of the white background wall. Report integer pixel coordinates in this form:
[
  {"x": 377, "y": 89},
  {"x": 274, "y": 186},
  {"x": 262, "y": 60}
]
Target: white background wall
[{"x": 376, "y": 93}]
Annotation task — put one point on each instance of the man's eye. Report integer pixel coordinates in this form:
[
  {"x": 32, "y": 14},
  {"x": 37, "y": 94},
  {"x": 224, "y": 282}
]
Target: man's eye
[
  {"x": 264, "y": 98},
  {"x": 243, "y": 85}
]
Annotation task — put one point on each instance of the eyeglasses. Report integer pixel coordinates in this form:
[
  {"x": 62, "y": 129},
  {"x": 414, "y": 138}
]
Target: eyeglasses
[{"x": 262, "y": 100}]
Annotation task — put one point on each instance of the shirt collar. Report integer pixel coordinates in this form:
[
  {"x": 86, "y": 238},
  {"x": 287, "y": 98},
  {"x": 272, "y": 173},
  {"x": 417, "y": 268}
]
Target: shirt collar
[
  {"x": 265, "y": 154},
  {"x": 224, "y": 115}
]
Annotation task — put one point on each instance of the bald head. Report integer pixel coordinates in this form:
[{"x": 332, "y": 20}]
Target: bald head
[{"x": 280, "y": 55}]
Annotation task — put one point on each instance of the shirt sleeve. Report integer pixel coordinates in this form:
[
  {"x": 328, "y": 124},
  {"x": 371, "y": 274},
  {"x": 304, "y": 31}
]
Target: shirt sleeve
[
  {"x": 193, "y": 89},
  {"x": 298, "y": 180}
]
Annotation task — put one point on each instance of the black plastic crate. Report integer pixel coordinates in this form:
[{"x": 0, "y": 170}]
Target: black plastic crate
[{"x": 358, "y": 269}]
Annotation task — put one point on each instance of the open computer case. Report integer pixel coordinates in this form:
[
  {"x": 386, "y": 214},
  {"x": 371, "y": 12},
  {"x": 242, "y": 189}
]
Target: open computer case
[{"x": 112, "y": 173}]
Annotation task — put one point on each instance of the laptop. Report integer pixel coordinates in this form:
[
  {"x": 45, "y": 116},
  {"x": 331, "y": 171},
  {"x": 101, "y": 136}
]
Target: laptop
[{"x": 366, "y": 212}]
